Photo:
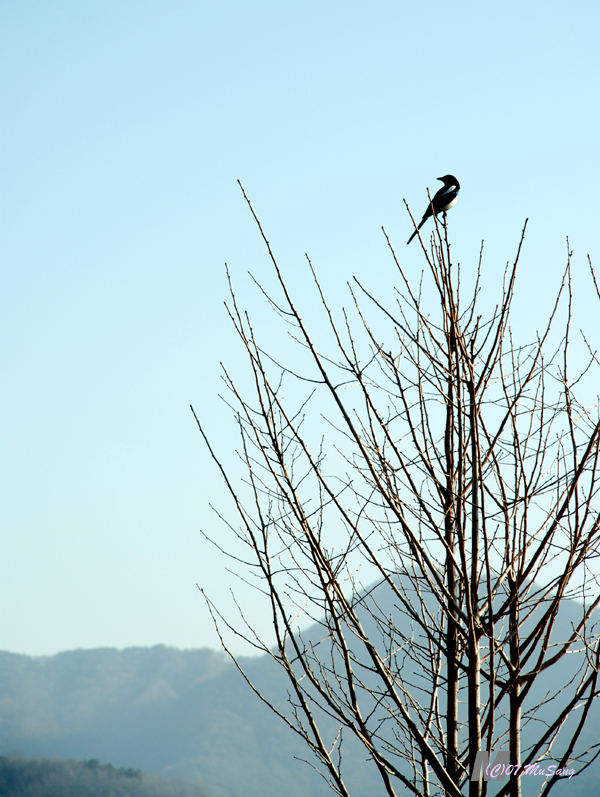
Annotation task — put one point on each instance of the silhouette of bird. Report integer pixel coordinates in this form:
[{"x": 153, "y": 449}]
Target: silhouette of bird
[{"x": 444, "y": 200}]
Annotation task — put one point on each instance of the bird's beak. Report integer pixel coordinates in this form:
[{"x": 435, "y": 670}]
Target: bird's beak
[{"x": 441, "y": 179}]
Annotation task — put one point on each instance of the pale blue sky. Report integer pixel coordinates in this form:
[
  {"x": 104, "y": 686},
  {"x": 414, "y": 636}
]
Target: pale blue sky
[{"x": 124, "y": 128}]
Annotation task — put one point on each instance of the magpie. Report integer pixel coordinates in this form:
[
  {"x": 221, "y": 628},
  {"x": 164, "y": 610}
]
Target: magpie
[{"x": 444, "y": 200}]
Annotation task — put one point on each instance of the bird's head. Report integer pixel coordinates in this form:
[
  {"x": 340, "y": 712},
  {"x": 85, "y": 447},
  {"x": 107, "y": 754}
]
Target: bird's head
[{"x": 449, "y": 179}]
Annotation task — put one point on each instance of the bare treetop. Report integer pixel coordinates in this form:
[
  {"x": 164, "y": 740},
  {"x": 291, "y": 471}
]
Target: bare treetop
[{"x": 428, "y": 495}]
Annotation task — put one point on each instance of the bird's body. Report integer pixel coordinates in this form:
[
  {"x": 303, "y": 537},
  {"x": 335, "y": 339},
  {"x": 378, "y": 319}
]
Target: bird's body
[{"x": 444, "y": 200}]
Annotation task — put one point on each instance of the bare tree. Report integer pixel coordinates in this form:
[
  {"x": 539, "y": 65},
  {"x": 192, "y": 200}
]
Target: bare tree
[{"x": 418, "y": 457}]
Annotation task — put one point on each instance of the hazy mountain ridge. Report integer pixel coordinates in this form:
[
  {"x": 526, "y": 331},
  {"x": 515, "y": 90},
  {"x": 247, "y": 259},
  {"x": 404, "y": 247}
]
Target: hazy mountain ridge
[
  {"x": 33, "y": 697},
  {"x": 167, "y": 711},
  {"x": 63, "y": 778},
  {"x": 183, "y": 712}
]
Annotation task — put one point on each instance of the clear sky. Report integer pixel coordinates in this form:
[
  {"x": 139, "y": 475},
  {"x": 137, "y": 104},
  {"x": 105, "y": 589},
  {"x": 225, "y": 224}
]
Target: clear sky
[{"x": 125, "y": 126}]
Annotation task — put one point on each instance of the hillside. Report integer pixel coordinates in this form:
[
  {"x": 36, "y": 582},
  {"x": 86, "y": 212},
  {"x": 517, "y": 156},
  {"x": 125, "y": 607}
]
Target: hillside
[
  {"x": 183, "y": 712},
  {"x": 59, "y": 778},
  {"x": 161, "y": 710}
]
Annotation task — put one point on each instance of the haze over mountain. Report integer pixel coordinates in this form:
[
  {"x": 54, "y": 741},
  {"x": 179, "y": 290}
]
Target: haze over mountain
[
  {"x": 157, "y": 709},
  {"x": 187, "y": 713},
  {"x": 61, "y": 778}
]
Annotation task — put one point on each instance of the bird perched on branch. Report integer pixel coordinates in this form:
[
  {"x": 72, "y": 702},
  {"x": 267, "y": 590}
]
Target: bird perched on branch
[{"x": 444, "y": 200}]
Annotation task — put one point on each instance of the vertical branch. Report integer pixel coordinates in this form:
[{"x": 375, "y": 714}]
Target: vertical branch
[
  {"x": 474, "y": 619},
  {"x": 514, "y": 689},
  {"x": 450, "y": 516}
]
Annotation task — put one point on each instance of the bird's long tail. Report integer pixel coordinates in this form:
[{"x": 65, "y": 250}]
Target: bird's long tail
[{"x": 421, "y": 223}]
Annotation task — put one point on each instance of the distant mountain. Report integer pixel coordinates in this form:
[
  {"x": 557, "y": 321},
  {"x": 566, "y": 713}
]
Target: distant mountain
[
  {"x": 187, "y": 713},
  {"x": 158, "y": 709},
  {"x": 58, "y": 778}
]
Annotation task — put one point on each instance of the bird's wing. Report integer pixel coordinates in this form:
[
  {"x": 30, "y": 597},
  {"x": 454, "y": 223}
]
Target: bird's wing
[{"x": 445, "y": 196}]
